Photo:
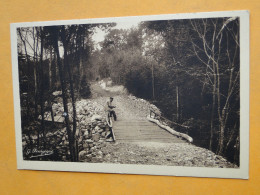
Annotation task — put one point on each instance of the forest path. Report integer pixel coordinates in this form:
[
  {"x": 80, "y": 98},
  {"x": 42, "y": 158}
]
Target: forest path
[
  {"x": 142, "y": 142},
  {"x": 132, "y": 124}
]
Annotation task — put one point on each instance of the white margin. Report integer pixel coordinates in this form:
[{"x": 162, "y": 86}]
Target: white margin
[{"x": 239, "y": 173}]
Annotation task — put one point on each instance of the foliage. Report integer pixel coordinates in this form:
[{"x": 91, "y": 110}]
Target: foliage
[{"x": 85, "y": 91}]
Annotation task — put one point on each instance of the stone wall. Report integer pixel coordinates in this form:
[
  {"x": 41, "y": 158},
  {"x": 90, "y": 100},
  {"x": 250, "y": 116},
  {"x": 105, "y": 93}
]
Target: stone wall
[{"x": 91, "y": 133}]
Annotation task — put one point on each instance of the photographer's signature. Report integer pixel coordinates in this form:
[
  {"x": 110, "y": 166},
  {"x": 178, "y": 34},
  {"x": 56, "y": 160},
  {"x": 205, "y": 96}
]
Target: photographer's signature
[{"x": 38, "y": 152}]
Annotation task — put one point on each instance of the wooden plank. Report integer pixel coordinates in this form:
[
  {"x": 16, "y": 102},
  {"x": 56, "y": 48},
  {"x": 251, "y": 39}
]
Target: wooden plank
[
  {"x": 141, "y": 125},
  {"x": 142, "y": 131},
  {"x": 138, "y": 127},
  {"x": 149, "y": 140}
]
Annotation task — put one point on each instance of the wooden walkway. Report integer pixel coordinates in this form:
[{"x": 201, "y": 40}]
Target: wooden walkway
[{"x": 142, "y": 131}]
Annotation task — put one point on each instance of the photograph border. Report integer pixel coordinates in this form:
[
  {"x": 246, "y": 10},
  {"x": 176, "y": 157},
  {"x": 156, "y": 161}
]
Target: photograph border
[{"x": 241, "y": 173}]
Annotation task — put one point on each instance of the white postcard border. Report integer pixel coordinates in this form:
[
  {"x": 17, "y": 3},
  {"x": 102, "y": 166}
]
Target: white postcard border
[{"x": 242, "y": 172}]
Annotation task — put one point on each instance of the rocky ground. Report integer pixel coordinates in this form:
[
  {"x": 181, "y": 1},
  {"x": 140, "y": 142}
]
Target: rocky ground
[{"x": 172, "y": 154}]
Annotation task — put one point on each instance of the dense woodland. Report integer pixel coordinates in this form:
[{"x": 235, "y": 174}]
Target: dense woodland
[{"x": 190, "y": 69}]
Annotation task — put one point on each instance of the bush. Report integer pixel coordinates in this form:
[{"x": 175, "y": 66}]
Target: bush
[{"x": 84, "y": 90}]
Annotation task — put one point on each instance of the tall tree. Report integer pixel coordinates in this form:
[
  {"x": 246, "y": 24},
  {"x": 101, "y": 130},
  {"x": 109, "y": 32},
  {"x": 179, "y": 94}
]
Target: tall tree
[
  {"x": 54, "y": 35},
  {"x": 42, "y": 86},
  {"x": 27, "y": 57},
  {"x": 217, "y": 47},
  {"x": 66, "y": 33}
]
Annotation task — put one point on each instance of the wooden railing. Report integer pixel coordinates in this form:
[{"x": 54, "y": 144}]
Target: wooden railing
[
  {"x": 163, "y": 122},
  {"x": 165, "y": 119}
]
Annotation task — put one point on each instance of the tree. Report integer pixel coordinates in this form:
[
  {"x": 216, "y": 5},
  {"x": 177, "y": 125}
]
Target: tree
[
  {"x": 54, "y": 36},
  {"x": 172, "y": 36},
  {"x": 217, "y": 47},
  {"x": 27, "y": 72},
  {"x": 71, "y": 38},
  {"x": 154, "y": 50},
  {"x": 66, "y": 33},
  {"x": 42, "y": 86},
  {"x": 120, "y": 52}
]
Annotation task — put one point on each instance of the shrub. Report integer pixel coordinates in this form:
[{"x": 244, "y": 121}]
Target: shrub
[{"x": 84, "y": 90}]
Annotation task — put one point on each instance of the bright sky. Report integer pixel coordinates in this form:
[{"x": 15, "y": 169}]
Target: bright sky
[{"x": 100, "y": 35}]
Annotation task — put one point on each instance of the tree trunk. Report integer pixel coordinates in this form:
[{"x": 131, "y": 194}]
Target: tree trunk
[
  {"x": 64, "y": 97},
  {"x": 55, "y": 70},
  {"x": 177, "y": 103},
  {"x": 153, "y": 81},
  {"x": 212, "y": 114},
  {"x": 50, "y": 70},
  {"x": 52, "y": 114},
  {"x": 81, "y": 48},
  {"x": 35, "y": 74},
  {"x": 221, "y": 139},
  {"x": 67, "y": 66},
  {"x": 42, "y": 87},
  {"x": 231, "y": 137},
  {"x": 28, "y": 65}
]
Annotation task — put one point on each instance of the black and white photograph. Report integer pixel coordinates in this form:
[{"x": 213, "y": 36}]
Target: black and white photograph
[{"x": 158, "y": 95}]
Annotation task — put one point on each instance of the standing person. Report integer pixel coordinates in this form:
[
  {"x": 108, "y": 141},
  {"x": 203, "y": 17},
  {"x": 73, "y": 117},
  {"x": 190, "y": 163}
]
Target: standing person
[{"x": 110, "y": 108}]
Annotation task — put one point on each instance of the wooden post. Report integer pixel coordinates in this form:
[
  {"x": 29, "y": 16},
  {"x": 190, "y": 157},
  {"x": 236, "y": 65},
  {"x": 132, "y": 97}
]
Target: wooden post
[
  {"x": 153, "y": 81},
  {"x": 177, "y": 103}
]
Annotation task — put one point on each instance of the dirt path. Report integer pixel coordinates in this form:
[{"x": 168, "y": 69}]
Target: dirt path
[
  {"x": 142, "y": 142},
  {"x": 126, "y": 109},
  {"x": 132, "y": 124}
]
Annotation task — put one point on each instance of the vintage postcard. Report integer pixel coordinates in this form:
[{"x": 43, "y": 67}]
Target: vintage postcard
[{"x": 157, "y": 95}]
